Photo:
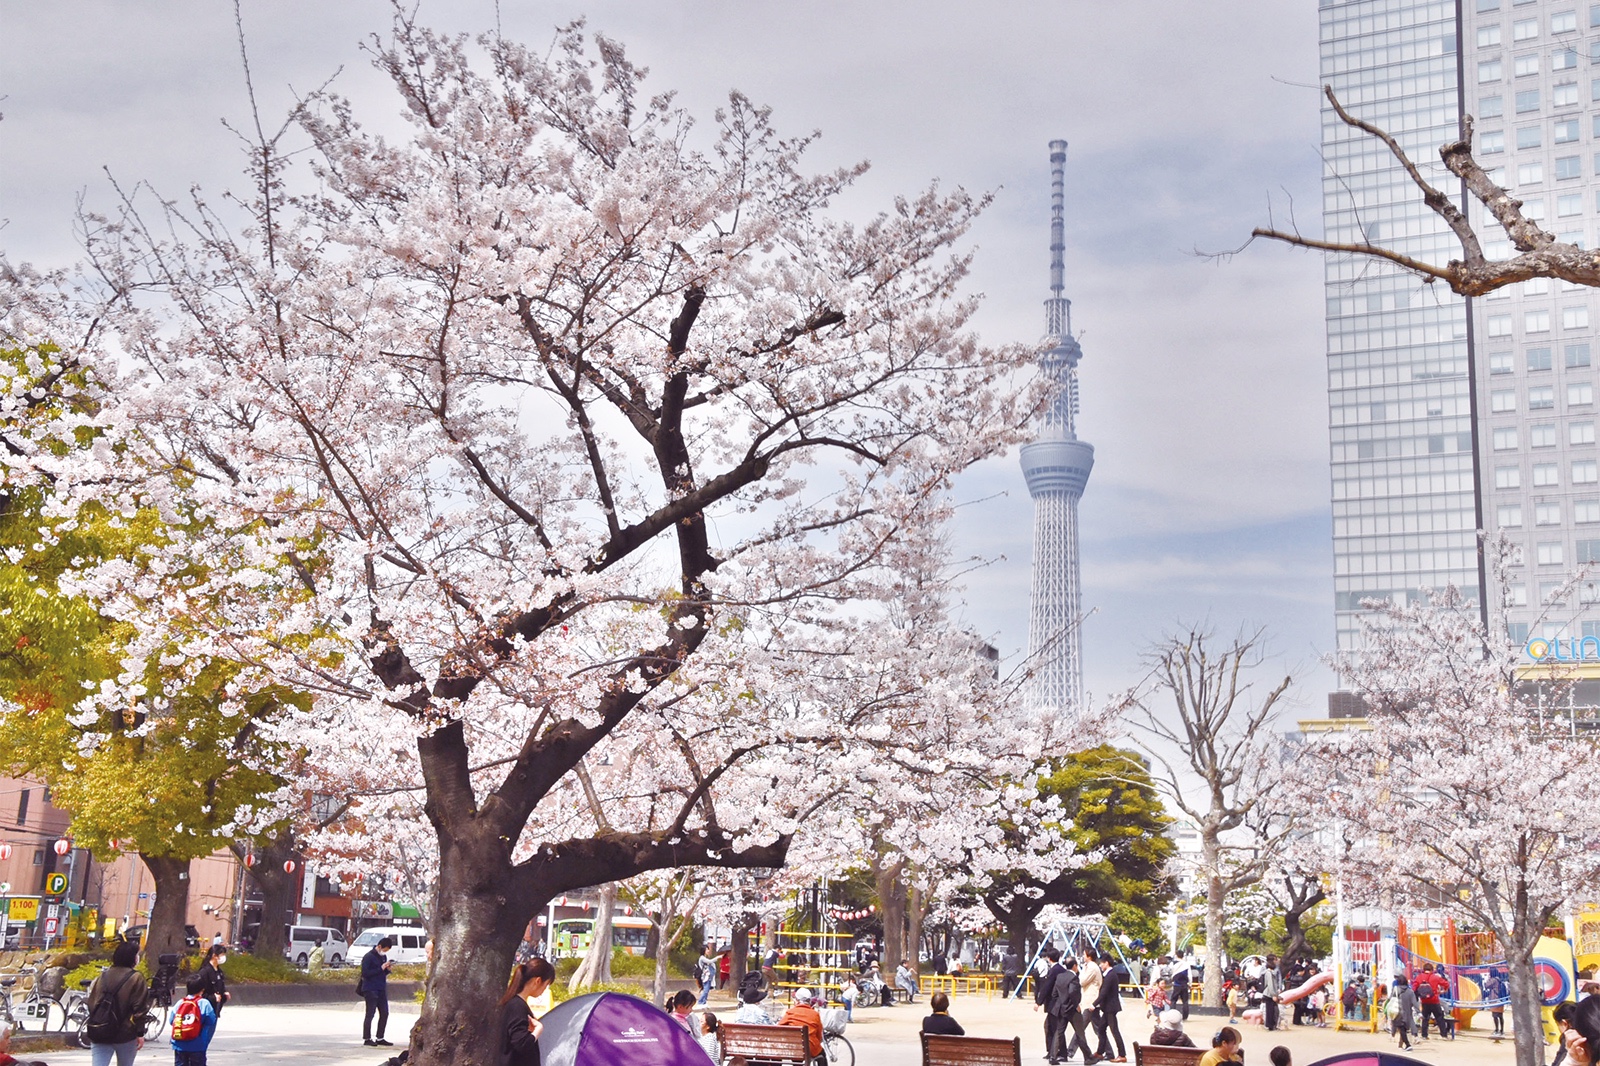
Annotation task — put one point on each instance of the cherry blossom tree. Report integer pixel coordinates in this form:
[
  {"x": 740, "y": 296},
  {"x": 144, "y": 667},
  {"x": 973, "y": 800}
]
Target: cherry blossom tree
[
  {"x": 571, "y": 437},
  {"x": 1218, "y": 755},
  {"x": 1539, "y": 254},
  {"x": 1460, "y": 783}
]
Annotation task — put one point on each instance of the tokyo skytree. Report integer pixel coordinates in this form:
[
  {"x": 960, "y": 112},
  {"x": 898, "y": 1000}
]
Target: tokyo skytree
[{"x": 1057, "y": 464}]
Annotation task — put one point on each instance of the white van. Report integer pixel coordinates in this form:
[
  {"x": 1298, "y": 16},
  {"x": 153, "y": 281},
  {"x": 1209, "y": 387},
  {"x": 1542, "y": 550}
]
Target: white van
[
  {"x": 302, "y": 938},
  {"x": 410, "y": 943}
]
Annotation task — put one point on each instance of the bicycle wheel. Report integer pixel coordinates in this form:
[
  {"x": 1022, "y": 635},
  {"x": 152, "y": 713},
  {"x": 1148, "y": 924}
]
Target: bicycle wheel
[
  {"x": 41, "y": 1014},
  {"x": 838, "y": 1050},
  {"x": 155, "y": 1023},
  {"x": 78, "y": 1026}
]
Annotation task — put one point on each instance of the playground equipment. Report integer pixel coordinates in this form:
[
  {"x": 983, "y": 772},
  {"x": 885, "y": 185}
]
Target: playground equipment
[
  {"x": 1074, "y": 934},
  {"x": 1303, "y": 990}
]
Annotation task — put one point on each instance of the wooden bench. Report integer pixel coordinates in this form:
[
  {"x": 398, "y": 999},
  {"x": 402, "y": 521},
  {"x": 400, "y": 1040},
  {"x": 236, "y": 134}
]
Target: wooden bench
[
  {"x": 747, "y": 1045},
  {"x": 1158, "y": 1055},
  {"x": 940, "y": 1050}
]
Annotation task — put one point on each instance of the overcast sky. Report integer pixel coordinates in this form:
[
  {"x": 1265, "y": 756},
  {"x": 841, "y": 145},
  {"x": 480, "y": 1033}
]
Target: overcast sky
[{"x": 1203, "y": 382}]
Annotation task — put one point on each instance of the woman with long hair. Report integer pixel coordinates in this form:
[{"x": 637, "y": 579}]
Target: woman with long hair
[{"x": 519, "y": 1029}]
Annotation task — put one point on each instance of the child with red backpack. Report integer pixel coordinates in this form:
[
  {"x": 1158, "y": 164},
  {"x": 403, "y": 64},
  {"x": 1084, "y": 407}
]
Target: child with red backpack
[{"x": 194, "y": 1019}]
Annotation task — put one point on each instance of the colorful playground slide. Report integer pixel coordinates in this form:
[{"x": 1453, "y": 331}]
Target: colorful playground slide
[{"x": 1302, "y": 991}]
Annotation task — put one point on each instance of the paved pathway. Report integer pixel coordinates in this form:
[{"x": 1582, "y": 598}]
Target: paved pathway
[{"x": 329, "y": 1034}]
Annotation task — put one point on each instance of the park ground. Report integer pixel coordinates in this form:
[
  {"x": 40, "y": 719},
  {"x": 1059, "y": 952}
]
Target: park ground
[{"x": 329, "y": 1034}]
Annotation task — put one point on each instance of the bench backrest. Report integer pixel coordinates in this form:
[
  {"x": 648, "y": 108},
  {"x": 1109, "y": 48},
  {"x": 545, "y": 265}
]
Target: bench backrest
[
  {"x": 1159, "y": 1055},
  {"x": 769, "y": 1043},
  {"x": 941, "y": 1050}
]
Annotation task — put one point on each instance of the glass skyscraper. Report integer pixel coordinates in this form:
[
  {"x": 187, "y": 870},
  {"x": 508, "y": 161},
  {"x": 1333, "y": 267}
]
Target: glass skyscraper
[{"x": 1403, "y": 418}]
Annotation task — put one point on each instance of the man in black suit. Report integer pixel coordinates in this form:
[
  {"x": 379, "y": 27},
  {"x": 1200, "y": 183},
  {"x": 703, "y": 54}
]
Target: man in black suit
[
  {"x": 1107, "y": 1006},
  {"x": 1066, "y": 1002},
  {"x": 1043, "y": 991}
]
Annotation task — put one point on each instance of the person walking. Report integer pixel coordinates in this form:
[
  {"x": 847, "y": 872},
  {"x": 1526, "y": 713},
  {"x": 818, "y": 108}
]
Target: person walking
[
  {"x": 705, "y": 973},
  {"x": 1066, "y": 1003},
  {"x": 1089, "y": 977},
  {"x": 1271, "y": 989},
  {"x": 1428, "y": 986},
  {"x": 117, "y": 1002},
  {"x": 1180, "y": 985},
  {"x": 1043, "y": 991},
  {"x": 374, "y": 988},
  {"x": 216, "y": 983},
  {"x": 1496, "y": 991},
  {"x": 519, "y": 1029},
  {"x": 940, "y": 1021},
  {"x": 1010, "y": 973},
  {"x": 1108, "y": 1009},
  {"x": 193, "y": 1023},
  {"x": 1405, "y": 1011}
]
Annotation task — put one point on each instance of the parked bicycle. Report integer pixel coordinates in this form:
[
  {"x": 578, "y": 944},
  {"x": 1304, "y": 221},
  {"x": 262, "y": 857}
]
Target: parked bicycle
[
  {"x": 76, "y": 1005},
  {"x": 35, "y": 1011},
  {"x": 838, "y": 1050},
  {"x": 162, "y": 987}
]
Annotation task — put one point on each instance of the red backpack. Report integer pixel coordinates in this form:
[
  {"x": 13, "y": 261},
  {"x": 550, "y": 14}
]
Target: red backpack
[{"x": 187, "y": 1022}]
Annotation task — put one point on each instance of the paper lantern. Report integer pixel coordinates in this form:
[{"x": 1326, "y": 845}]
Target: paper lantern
[
  {"x": 586, "y": 906},
  {"x": 250, "y": 861},
  {"x": 288, "y": 866},
  {"x": 63, "y": 846},
  {"x": 628, "y": 911},
  {"x": 5, "y": 851}
]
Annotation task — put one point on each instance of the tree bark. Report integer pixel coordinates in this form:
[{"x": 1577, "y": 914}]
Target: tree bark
[
  {"x": 166, "y": 934},
  {"x": 595, "y": 969},
  {"x": 1216, "y": 896},
  {"x": 277, "y": 888},
  {"x": 892, "y": 906},
  {"x": 478, "y": 921},
  {"x": 916, "y": 914},
  {"x": 739, "y": 949},
  {"x": 1302, "y": 900},
  {"x": 1527, "y": 1026}
]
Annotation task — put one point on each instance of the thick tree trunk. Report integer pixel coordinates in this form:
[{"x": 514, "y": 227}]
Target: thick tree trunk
[
  {"x": 1296, "y": 946},
  {"x": 277, "y": 889},
  {"x": 892, "y": 907},
  {"x": 1211, "y": 991},
  {"x": 916, "y": 915},
  {"x": 658, "y": 983},
  {"x": 739, "y": 949},
  {"x": 478, "y": 922},
  {"x": 166, "y": 934},
  {"x": 595, "y": 969},
  {"x": 1527, "y": 1025}
]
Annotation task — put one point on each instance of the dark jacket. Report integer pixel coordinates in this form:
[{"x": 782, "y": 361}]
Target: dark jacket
[
  {"x": 1109, "y": 1001},
  {"x": 1066, "y": 996},
  {"x": 216, "y": 985},
  {"x": 1043, "y": 987},
  {"x": 129, "y": 992},
  {"x": 942, "y": 1024},
  {"x": 518, "y": 1046},
  {"x": 374, "y": 978},
  {"x": 1170, "y": 1038}
]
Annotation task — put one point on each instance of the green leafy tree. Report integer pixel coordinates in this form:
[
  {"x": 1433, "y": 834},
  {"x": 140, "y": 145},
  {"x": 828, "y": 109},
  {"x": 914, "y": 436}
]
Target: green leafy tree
[
  {"x": 1113, "y": 817},
  {"x": 179, "y": 772}
]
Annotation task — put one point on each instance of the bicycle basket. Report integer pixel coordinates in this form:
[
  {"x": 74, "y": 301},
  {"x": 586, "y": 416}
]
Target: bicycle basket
[
  {"x": 52, "y": 982},
  {"x": 833, "y": 1021}
]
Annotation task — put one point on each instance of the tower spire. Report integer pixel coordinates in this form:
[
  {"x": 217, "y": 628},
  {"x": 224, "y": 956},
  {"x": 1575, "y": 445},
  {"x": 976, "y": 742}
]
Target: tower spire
[{"x": 1057, "y": 465}]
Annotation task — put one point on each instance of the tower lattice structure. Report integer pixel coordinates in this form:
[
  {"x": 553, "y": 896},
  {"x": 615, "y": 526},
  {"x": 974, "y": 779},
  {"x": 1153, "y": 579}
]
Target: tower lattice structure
[{"x": 1057, "y": 465}]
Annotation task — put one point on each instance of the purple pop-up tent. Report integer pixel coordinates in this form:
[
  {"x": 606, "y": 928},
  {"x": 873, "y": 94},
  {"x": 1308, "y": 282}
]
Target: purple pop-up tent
[
  {"x": 1369, "y": 1058},
  {"x": 610, "y": 1029}
]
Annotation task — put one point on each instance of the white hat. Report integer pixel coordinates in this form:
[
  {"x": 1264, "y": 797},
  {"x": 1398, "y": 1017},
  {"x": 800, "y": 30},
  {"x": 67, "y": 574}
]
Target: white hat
[
  {"x": 802, "y": 995},
  {"x": 1171, "y": 1019}
]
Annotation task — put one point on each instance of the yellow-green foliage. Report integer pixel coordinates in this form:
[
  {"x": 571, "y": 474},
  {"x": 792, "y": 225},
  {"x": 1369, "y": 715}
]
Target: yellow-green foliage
[{"x": 169, "y": 773}]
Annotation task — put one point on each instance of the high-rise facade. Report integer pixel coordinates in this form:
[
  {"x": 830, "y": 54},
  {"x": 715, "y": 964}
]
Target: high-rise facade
[
  {"x": 1057, "y": 465},
  {"x": 1418, "y": 377}
]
